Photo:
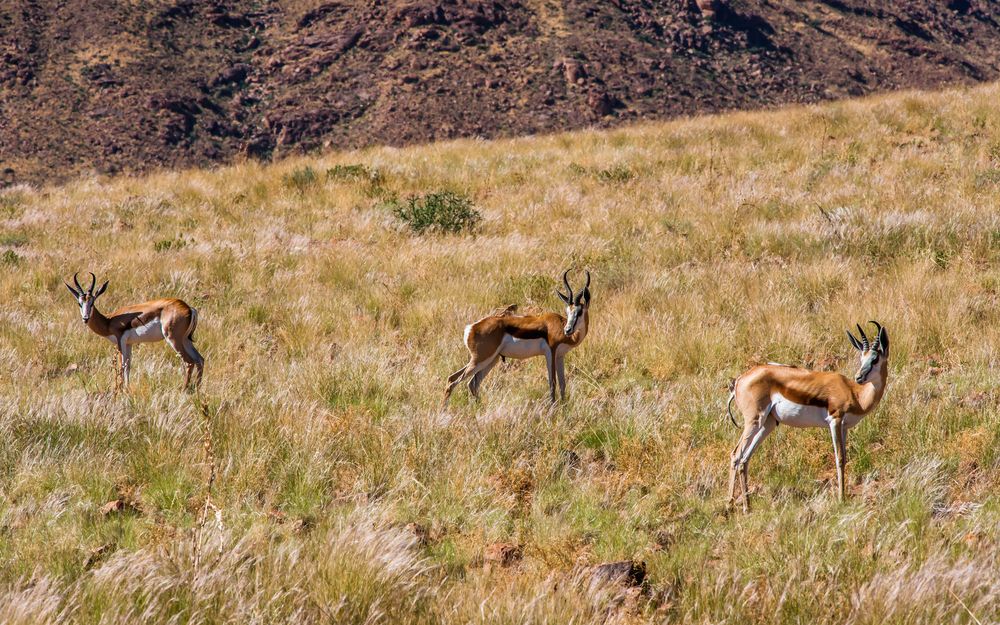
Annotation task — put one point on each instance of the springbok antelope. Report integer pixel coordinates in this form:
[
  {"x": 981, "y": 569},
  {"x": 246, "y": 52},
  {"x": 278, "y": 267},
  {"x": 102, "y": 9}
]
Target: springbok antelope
[
  {"x": 773, "y": 394},
  {"x": 524, "y": 336},
  {"x": 151, "y": 321}
]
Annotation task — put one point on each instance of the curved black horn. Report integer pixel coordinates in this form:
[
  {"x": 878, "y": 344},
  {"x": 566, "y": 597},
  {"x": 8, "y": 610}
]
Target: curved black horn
[
  {"x": 77, "y": 283},
  {"x": 878, "y": 332},
  {"x": 93, "y": 282},
  {"x": 566, "y": 282},
  {"x": 864, "y": 338},
  {"x": 587, "y": 285},
  {"x": 854, "y": 342}
]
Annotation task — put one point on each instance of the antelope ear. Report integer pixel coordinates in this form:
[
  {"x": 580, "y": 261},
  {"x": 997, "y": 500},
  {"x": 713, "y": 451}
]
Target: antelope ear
[
  {"x": 883, "y": 340},
  {"x": 854, "y": 341},
  {"x": 102, "y": 289},
  {"x": 73, "y": 291},
  {"x": 563, "y": 297},
  {"x": 586, "y": 296}
]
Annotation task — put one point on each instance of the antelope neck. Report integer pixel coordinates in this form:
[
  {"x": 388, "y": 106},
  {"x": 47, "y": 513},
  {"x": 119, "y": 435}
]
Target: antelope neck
[{"x": 98, "y": 323}]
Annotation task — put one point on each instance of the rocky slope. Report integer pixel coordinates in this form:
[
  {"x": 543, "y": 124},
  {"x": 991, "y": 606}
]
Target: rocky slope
[{"x": 113, "y": 86}]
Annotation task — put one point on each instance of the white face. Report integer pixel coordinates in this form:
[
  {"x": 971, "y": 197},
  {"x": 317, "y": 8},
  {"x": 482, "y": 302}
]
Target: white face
[
  {"x": 870, "y": 354},
  {"x": 572, "y": 316},
  {"x": 85, "y": 298},
  {"x": 868, "y": 361},
  {"x": 86, "y": 304}
]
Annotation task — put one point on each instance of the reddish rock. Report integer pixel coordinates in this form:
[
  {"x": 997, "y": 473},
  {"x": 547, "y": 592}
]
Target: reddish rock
[
  {"x": 240, "y": 77},
  {"x": 502, "y": 554},
  {"x": 116, "y": 505},
  {"x": 626, "y": 573}
]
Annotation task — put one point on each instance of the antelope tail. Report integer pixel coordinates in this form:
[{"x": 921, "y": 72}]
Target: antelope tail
[
  {"x": 193, "y": 324},
  {"x": 729, "y": 404}
]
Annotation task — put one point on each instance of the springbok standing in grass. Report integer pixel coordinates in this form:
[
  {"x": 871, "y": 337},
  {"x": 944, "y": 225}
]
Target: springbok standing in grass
[
  {"x": 525, "y": 336},
  {"x": 773, "y": 394},
  {"x": 151, "y": 321}
]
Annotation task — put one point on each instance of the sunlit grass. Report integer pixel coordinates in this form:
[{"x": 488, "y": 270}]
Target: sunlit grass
[{"x": 345, "y": 493}]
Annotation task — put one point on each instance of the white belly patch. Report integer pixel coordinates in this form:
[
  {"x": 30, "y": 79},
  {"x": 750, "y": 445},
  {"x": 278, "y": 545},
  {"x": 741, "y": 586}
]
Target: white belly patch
[
  {"x": 522, "y": 348},
  {"x": 796, "y": 415},
  {"x": 148, "y": 333}
]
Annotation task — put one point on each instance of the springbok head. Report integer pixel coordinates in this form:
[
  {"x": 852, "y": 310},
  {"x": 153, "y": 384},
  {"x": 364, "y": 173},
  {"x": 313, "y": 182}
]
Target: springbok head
[
  {"x": 575, "y": 304},
  {"x": 85, "y": 298},
  {"x": 869, "y": 353}
]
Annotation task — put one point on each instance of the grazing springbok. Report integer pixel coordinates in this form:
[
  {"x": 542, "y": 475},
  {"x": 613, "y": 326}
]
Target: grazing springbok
[
  {"x": 151, "y": 321},
  {"x": 773, "y": 394},
  {"x": 525, "y": 336}
]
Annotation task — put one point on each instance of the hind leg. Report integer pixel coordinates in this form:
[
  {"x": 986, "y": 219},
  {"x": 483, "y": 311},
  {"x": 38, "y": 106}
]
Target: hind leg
[
  {"x": 749, "y": 429},
  {"x": 470, "y": 370},
  {"x": 185, "y": 349},
  {"x": 456, "y": 375},
  {"x": 759, "y": 434},
  {"x": 456, "y": 378},
  {"x": 198, "y": 364},
  {"x": 478, "y": 378}
]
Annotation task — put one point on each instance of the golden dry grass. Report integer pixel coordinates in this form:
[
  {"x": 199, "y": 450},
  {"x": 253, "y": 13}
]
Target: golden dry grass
[{"x": 328, "y": 329}]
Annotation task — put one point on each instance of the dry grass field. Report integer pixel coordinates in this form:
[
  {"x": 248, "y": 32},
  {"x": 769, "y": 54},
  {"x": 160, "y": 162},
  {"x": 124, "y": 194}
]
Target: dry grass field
[{"x": 317, "y": 479}]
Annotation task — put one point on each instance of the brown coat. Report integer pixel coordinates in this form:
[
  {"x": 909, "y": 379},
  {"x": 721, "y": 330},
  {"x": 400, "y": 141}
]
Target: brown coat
[{"x": 484, "y": 337}]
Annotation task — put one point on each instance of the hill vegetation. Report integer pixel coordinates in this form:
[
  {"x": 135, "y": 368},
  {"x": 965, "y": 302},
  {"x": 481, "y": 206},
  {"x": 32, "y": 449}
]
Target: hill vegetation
[
  {"x": 108, "y": 87},
  {"x": 317, "y": 478}
]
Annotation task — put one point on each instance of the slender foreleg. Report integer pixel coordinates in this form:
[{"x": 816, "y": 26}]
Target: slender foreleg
[
  {"x": 837, "y": 433},
  {"x": 126, "y": 363},
  {"x": 119, "y": 370},
  {"x": 550, "y": 364},
  {"x": 843, "y": 459},
  {"x": 561, "y": 374}
]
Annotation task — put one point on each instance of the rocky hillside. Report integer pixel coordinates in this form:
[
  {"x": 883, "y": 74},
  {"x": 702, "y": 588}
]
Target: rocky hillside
[{"x": 123, "y": 86}]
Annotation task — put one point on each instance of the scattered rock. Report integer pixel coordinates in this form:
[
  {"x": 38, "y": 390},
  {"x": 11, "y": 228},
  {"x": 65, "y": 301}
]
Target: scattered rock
[
  {"x": 708, "y": 8},
  {"x": 115, "y": 505},
  {"x": 302, "y": 524},
  {"x": 502, "y": 554},
  {"x": 573, "y": 71},
  {"x": 974, "y": 399},
  {"x": 626, "y": 573},
  {"x": 572, "y": 460},
  {"x": 421, "y": 533},
  {"x": 235, "y": 74},
  {"x": 601, "y": 103},
  {"x": 96, "y": 555}
]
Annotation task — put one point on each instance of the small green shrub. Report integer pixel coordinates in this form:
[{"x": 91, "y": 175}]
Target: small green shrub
[
  {"x": 372, "y": 179},
  {"x": 619, "y": 174},
  {"x": 258, "y": 314},
  {"x": 444, "y": 211},
  {"x": 11, "y": 204},
  {"x": 353, "y": 173},
  {"x": 301, "y": 179},
  {"x": 616, "y": 174},
  {"x": 13, "y": 239},
  {"x": 10, "y": 257},
  {"x": 166, "y": 245},
  {"x": 987, "y": 178}
]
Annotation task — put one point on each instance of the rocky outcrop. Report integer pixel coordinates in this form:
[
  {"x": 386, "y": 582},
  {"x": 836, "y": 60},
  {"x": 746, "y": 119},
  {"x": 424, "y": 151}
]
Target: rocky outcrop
[{"x": 127, "y": 86}]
